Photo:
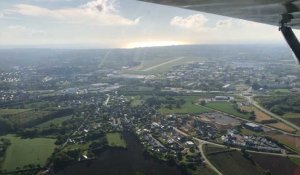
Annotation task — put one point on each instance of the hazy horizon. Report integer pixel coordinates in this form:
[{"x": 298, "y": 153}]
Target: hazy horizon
[
  {"x": 91, "y": 47},
  {"x": 121, "y": 24}
]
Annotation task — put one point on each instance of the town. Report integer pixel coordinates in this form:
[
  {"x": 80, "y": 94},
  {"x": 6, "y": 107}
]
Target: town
[{"x": 187, "y": 113}]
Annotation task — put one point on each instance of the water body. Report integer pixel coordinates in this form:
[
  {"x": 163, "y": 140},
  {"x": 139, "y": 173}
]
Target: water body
[{"x": 123, "y": 162}]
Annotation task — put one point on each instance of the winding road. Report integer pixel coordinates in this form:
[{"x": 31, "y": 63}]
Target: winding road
[
  {"x": 203, "y": 142},
  {"x": 200, "y": 147}
]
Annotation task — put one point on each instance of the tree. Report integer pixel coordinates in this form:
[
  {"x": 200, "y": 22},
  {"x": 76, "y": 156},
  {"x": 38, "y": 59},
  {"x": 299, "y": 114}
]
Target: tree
[
  {"x": 182, "y": 101},
  {"x": 255, "y": 86},
  {"x": 153, "y": 101},
  {"x": 245, "y": 153},
  {"x": 5, "y": 125},
  {"x": 178, "y": 105},
  {"x": 268, "y": 172},
  {"x": 202, "y": 102},
  {"x": 170, "y": 106},
  {"x": 61, "y": 160},
  {"x": 179, "y": 155},
  {"x": 248, "y": 81},
  {"x": 277, "y": 110},
  {"x": 253, "y": 117}
]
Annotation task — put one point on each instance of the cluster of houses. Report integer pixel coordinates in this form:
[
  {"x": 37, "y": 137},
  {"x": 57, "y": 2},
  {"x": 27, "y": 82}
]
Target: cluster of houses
[
  {"x": 93, "y": 88},
  {"x": 176, "y": 141},
  {"x": 151, "y": 143},
  {"x": 10, "y": 77},
  {"x": 169, "y": 142},
  {"x": 167, "y": 136},
  {"x": 164, "y": 139},
  {"x": 250, "y": 142},
  {"x": 204, "y": 130},
  {"x": 13, "y": 95},
  {"x": 159, "y": 134}
]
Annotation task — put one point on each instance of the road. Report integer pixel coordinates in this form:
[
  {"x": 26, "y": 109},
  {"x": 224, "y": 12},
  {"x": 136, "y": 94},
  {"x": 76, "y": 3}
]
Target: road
[
  {"x": 161, "y": 64},
  {"x": 253, "y": 102},
  {"x": 200, "y": 147},
  {"x": 66, "y": 142},
  {"x": 221, "y": 145},
  {"x": 203, "y": 142},
  {"x": 107, "y": 100},
  {"x": 246, "y": 120},
  {"x": 157, "y": 142},
  {"x": 62, "y": 146}
]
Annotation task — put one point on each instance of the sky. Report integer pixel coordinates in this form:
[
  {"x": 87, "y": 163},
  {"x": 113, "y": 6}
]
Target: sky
[{"x": 120, "y": 24}]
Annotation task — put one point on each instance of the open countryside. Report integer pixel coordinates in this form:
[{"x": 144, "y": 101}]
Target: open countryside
[
  {"x": 22, "y": 152},
  {"x": 115, "y": 140},
  {"x": 227, "y": 108},
  {"x": 182, "y": 105},
  {"x": 189, "y": 113}
]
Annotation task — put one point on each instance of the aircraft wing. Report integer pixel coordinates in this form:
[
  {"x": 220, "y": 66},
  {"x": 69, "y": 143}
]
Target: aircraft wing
[{"x": 262, "y": 11}]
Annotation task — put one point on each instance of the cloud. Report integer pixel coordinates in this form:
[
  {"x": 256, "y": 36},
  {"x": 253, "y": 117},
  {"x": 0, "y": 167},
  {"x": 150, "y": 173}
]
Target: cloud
[
  {"x": 99, "y": 12},
  {"x": 227, "y": 30},
  {"x": 17, "y": 28},
  {"x": 25, "y": 31},
  {"x": 226, "y": 23},
  {"x": 103, "y": 6},
  {"x": 197, "y": 22}
]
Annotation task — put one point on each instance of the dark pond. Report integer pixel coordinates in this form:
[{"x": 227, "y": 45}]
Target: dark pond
[{"x": 123, "y": 162}]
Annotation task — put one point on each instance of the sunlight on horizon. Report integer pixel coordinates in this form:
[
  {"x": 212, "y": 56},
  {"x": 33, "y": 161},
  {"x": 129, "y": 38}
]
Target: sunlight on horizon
[{"x": 154, "y": 44}]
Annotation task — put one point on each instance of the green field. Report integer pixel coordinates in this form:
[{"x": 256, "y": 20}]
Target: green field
[
  {"x": 135, "y": 100},
  {"x": 295, "y": 160},
  {"x": 280, "y": 104},
  {"x": 56, "y": 121},
  {"x": 234, "y": 163},
  {"x": 245, "y": 131},
  {"x": 12, "y": 111},
  {"x": 203, "y": 170},
  {"x": 84, "y": 146},
  {"x": 115, "y": 140},
  {"x": 24, "y": 117},
  {"x": 291, "y": 115},
  {"x": 27, "y": 151},
  {"x": 228, "y": 108},
  {"x": 185, "y": 109},
  {"x": 190, "y": 106},
  {"x": 281, "y": 91},
  {"x": 208, "y": 149}
]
